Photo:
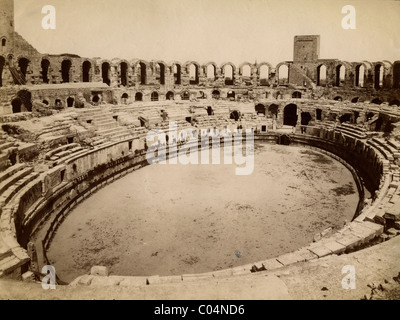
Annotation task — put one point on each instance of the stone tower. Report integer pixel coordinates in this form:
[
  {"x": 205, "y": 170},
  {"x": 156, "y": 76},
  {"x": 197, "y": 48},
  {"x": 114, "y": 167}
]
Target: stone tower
[
  {"x": 305, "y": 58},
  {"x": 6, "y": 27}
]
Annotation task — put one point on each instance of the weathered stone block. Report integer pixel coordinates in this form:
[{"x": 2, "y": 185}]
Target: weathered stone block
[
  {"x": 290, "y": 258},
  {"x": 99, "y": 271}
]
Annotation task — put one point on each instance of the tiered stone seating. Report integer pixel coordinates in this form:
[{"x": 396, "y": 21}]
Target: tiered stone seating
[
  {"x": 6, "y": 149},
  {"x": 383, "y": 148},
  {"x": 352, "y": 130},
  {"x": 104, "y": 123},
  {"x": 63, "y": 153}
]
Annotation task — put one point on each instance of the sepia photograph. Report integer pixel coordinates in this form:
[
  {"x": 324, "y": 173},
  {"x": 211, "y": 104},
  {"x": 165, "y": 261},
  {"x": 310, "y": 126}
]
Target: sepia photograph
[{"x": 204, "y": 150}]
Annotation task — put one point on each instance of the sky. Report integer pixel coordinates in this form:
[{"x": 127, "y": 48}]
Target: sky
[{"x": 211, "y": 30}]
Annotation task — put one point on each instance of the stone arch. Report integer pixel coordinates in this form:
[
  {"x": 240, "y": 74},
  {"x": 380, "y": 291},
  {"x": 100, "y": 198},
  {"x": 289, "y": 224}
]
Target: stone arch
[
  {"x": 170, "y": 95},
  {"x": 86, "y": 71},
  {"x": 290, "y": 115},
  {"x": 322, "y": 72},
  {"x": 273, "y": 110},
  {"x": 396, "y": 74},
  {"x": 377, "y": 101},
  {"x": 185, "y": 95},
  {"x": 360, "y": 74},
  {"x": 242, "y": 71},
  {"x": 45, "y": 70},
  {"x": 193, "y": 72},
  {"x": 231, "y": 95},
  {"x": 176, "y": 71},
  {"x": 154, "y": 96},
  {"x": 228, "y": 80},
  {"x": 264, "y": 76},
  {"x": 216, "y": 94},
  {"x": 234, "y": 115},
  {"x": 355, "y": 99},
  {"x": 66, "y": 65},
  {"x": 22, "y": 102},
  {"x": 210, "y": 70},
  {"x": 296, "y": 95},
  {"x": 160, "y": 70},
  {"x": 338, "y": 98},
  {"x": 340, "y": 74},
  {"x": 260, "y": 108},
  {"x": 141, "y": 67},
  {"x": 106, "y": 72},
  {"x": 124, "y": 67},
  {"x": 282, "y": 75},
  {"x": 378, "y": 74},
  {"x": 23, "y": 64},
  {"x": 138, "y": 96}
]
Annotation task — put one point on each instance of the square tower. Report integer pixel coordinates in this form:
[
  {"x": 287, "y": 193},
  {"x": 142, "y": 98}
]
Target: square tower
[
  {"x": 6, "y": 26},
  {"x": 306, "y": 49}
]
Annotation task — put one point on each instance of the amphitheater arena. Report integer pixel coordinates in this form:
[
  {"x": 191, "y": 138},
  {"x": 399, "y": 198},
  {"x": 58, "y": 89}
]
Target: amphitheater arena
[{"x": 73, "y": 125}]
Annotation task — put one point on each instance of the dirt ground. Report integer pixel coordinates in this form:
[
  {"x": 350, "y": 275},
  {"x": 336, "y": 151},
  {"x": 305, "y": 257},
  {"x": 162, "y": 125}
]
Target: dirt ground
[{"x": 180, "y": 219}]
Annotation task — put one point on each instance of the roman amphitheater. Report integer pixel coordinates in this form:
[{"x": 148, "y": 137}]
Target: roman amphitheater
[{"x": 73, "y": 134}]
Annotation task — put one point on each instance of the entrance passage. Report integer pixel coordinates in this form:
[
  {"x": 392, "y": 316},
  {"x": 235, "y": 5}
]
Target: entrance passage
[{"x": 290, "y": 115}]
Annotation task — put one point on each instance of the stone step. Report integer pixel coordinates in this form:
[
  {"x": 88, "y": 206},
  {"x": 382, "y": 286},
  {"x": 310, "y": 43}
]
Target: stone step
[
  {"x": 107, "y": 132},
  {"x": 6, "y": 145},
  {"x": 16, "y": 187},
  {"x": 7, "y": 183},
  {"x": 53, "y": 152},
  {"x": 10, "y": 171}
]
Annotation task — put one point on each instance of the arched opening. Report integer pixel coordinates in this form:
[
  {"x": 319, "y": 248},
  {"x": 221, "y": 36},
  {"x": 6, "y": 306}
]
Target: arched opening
[
  {"x": 360, "y": 74},
  {"x": 105, "y": 73},
  {"x": 234, "y": 115},
  {"x": 378, "y": 79},
  {"x": 338, "y": 98},
  {"x": 228, "y": 75},
  {"x": 305, "y": 118},
  {"x": 96, "y": 98},
  {"x": 154, "y": 96},
  {"x": 142, "y": 73},
  {"x": 124, "y": 74},
  {"x": 290, "y": 115},
  {"x": 201, "y": 95},
  {"x": 45, "y": 102},
  {"x": 394, "y": 102},
  {"x": 170, "y": 95},
  {"x": 211, "y": 72},
  {"x": 296, "y": 95},
  {"x": 318, "y": 114},
  {"x": 177, "y": 73},
  {"x": 193, "y": 74},
  {"x": 264, "y": 75},
  {"x": 246, "y": 74},
  {"x": 283, "y": 75},
  {"x": 45, "y": 64},
  {"x": 377, "y": 101},
  {"x": 185, "y": 95},
  {"x": 160, "y": 73},
  {"x": 321, "y": 75},
  {"x": 139, "y": 96},
  {"x": 273, "y": 111},
  {"x": 70, "y": 102},
  {"x": 86, "y": 66},
  {"x": 210, "y": 111},
  {"x": 3, "y": 42},
  {"x": 26, "y": 99},
  {"x": 260, "y": 109},
  {"x": 340, "y": 75},
  {"x": 23, "y": 64},
  {"x": 65, "y": 71},
  {"x": 16, "y": 105},
  {"x": 354, "y": 100},
  {"x": 345, "y": 117},
  {"x": 396, "y": 75},
  {"x": 216, "y": 94},
  {"x": 124, "y": 98},
  {"x": 231, "y": 95},
  {"x": 2, "y": 63}
]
